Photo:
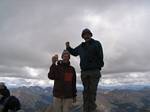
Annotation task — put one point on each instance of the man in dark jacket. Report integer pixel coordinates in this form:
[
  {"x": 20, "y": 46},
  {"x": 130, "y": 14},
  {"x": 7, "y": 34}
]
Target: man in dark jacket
[
  {"x": 64, "y": 76},
  {"x": 91, "y": 62}
]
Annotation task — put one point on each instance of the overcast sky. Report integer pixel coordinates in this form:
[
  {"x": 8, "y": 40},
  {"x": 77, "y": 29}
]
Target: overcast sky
[{"x": 31, "y": 31}]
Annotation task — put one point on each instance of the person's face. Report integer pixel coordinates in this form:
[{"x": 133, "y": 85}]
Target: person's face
[
  {"x": 66, "y": 57},
  {"x": 86, "y": 36}
]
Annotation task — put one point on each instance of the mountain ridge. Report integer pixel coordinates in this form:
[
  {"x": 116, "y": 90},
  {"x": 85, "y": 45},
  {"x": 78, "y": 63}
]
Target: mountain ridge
[{"x": 37, "y": 99}]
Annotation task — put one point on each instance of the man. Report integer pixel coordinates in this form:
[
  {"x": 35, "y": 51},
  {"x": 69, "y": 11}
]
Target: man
[
  {"x": 91, "y": 62},
  {"x": 64, "y": 76}
]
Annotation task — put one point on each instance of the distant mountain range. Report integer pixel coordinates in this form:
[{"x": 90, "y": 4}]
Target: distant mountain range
[
  {"x": 33, "y": 99},
  {"x": 125, "y": 86},
  {"x": 37, "y": 99}
]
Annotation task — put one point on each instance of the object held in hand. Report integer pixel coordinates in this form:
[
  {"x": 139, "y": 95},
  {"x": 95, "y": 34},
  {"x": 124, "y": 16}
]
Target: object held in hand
[{"x": 55, "y": 58}]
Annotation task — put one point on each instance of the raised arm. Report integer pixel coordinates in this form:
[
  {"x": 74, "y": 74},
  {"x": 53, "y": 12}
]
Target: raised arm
[
  {"x": 53, "y": 71},
  {"x": 74, "y": 52}
]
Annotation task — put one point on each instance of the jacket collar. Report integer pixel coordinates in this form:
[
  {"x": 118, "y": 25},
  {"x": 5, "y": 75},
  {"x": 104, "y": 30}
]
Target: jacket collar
[
  {"x": 88, "y": 42},
  {"x": 60, "y": 62}
]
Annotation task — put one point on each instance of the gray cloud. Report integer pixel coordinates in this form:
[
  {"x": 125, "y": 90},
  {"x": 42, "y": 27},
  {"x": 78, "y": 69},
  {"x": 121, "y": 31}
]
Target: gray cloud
[{"x": 31, "y": 32}]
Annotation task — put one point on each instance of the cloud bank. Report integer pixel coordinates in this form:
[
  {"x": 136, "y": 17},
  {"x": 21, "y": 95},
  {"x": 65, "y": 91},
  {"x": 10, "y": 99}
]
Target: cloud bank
[{"x": 31, "y": 32}]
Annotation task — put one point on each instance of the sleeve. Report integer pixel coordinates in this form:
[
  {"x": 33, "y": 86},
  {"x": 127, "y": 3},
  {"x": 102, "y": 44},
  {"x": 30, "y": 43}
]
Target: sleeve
[
  {"x": 100, "y": 54},
  {"x": 53, "y": 72},
  {"x": 75, "y": 51},
  {"x": 74, "y": 83}
]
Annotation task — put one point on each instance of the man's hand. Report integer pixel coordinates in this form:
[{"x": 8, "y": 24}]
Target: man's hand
[
  {"x": 67, "y": 44},
  {"x": 74, "y": 100},
  {"x": 55, "y": 59}
]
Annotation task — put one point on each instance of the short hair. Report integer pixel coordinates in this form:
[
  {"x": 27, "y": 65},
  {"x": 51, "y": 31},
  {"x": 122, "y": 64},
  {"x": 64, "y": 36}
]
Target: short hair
[
  {"x": 86, "y": 30},
  {"x": 65, "y": 52}
]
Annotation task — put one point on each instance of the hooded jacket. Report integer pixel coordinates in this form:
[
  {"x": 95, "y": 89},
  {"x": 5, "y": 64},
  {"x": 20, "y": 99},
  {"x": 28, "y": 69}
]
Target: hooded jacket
[{"x": 64, "y": 77}]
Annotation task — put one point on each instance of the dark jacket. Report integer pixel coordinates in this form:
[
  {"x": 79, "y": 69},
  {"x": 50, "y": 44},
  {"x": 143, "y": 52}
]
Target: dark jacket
[
  {"x": 91, "y": 55},
  {"x": 12, "y": 103},
  {"x": 64, "y": 77}
]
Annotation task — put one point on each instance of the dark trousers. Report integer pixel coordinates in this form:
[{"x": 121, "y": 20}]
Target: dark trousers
[{"x": 90, "y": 81}]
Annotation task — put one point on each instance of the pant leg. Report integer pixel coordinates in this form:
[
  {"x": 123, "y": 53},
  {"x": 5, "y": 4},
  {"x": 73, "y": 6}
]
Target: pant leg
[
  {"x": 85, "y": 82},
  {"x": 93, "y": 84},
  {"x": 57, "y": 104},
  {"x": 67, "y": 104}
]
